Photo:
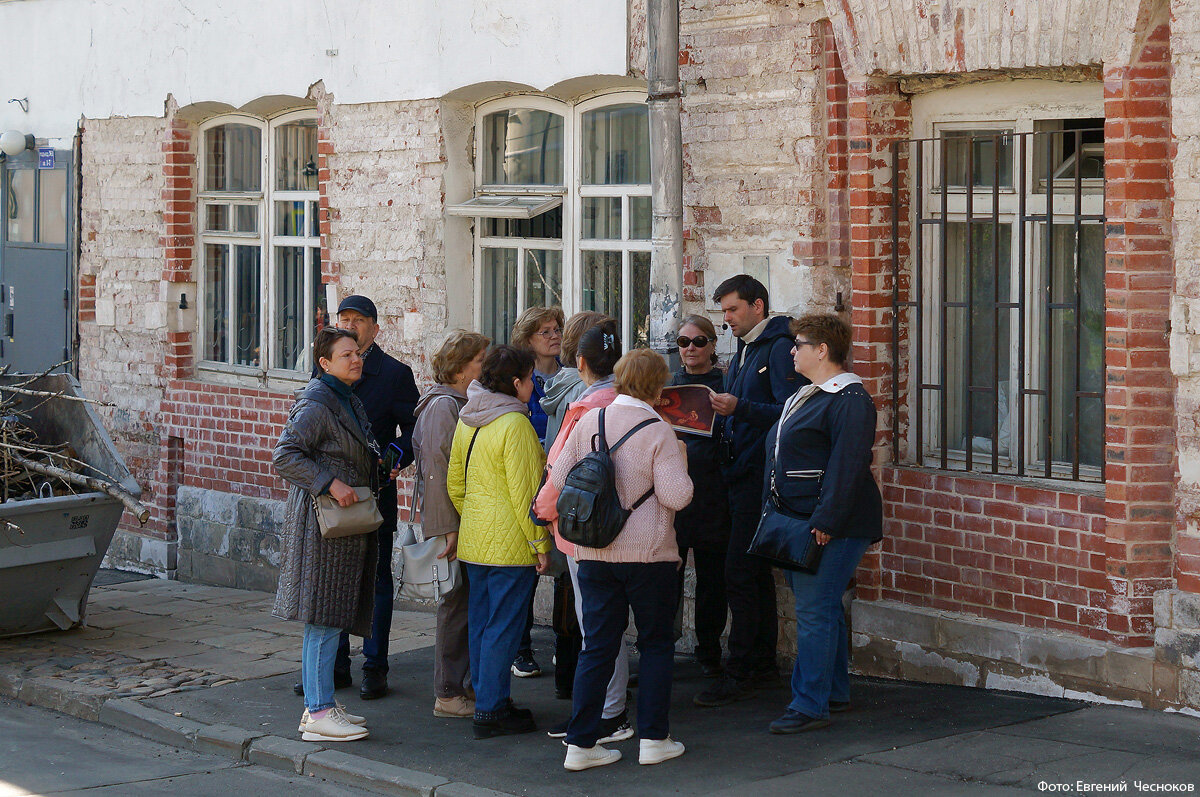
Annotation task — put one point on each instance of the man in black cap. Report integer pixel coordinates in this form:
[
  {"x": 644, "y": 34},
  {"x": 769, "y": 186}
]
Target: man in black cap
[{"x": 389, "y": 394}]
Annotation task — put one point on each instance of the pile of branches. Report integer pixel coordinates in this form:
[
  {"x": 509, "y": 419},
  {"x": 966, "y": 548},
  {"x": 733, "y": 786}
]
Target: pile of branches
[{"x": 30, "y": 468}]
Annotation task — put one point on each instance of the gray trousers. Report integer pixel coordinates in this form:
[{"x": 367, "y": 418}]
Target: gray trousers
[{"x": 451, "y": 655}]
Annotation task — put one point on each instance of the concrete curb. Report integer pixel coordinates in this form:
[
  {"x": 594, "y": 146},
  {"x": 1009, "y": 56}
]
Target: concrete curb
[{"x": 228, "y": 741}]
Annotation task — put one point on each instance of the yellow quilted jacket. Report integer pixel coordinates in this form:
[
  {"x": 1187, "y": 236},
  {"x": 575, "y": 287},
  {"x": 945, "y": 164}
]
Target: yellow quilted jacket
[{"x": 493, "y": 501}]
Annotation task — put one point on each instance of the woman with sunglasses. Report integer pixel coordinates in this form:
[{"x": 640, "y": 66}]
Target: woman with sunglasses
[{"x": 703, "y": 527}]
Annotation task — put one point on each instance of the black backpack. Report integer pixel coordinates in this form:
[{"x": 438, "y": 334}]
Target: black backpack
[{"x": 589, "y": 511}]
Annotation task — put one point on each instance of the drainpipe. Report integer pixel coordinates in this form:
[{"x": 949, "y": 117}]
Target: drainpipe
[{"x": 666, "y": 175}]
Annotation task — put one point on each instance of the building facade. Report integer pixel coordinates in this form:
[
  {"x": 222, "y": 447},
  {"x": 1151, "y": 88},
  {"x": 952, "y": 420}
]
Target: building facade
[{"x": 998, "y": 195}]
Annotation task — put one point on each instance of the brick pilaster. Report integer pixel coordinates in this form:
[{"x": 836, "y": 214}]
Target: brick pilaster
[
  {"x": 877, "y": 115},
  {"x": 1140, "y": 390}
]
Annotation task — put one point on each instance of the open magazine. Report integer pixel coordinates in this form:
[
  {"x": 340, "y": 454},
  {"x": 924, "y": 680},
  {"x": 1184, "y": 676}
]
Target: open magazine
[{"x": 688, "y": 409}]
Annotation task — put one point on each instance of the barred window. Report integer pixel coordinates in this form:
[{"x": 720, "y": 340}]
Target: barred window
[{"x": 1005, "y": 327}]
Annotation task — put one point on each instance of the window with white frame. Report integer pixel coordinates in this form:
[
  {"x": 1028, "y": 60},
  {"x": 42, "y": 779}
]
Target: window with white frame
[
  {"x": 1008, "y": 258},
  {"x": 562, "y": 210},
  {"x": 260, "y": 243}
]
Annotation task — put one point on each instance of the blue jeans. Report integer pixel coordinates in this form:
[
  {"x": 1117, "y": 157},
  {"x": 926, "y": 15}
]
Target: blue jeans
[
  {"x": 609, "y": 590},
  {"x": 496, "y": 612},
  {"x": 316, "y": 665},
  {"x": 822, "y": 671},
  {"x": 375, "y": 648}
]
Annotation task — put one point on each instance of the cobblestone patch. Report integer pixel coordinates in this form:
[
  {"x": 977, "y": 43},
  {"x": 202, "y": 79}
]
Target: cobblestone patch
[{"x": 153, "y": 638}]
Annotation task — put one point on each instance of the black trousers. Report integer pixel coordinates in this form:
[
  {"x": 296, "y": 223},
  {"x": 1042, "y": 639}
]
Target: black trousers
[
  {"x": 749, "y": 588},
  {"x": 711, "y": 608},
  {"x": 610, "y": 590},
  {"x": 375, "y": 649}
]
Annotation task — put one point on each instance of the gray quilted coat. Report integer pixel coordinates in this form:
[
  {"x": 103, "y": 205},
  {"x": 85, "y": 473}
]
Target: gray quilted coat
[{"x": 325, "y": 582}]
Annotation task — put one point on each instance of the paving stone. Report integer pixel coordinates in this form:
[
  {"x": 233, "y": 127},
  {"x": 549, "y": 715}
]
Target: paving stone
[
  {"x": 364, "y": 773},
  {"x": 279, "y": 753}
]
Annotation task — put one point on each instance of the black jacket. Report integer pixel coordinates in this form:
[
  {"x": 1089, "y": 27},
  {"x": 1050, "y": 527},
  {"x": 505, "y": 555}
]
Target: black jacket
[
  {"x": 704, "y": 523},
  {"x": 762, "y": 382},
  {"x": 389, "y": 394},
  {"x": 831, "y": 433}
]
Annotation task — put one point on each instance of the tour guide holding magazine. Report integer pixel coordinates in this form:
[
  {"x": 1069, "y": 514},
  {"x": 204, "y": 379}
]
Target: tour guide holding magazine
[
  {"x": 703, "y": 526},
  {"x": 760, "y": 378},
  {"x": 826, "y": 432}
]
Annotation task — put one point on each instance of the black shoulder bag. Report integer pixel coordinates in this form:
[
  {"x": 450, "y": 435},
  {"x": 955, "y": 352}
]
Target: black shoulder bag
[{"x": 784, "y": 537}]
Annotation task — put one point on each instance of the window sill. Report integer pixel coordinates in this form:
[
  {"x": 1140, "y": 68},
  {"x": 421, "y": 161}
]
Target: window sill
[
  {"x": 1039, "y": 482},
  {"x": 276, "y": 381}
]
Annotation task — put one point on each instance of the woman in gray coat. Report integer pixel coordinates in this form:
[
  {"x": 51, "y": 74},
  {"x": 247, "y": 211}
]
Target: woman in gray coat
[{"x": 326, "y": 447}]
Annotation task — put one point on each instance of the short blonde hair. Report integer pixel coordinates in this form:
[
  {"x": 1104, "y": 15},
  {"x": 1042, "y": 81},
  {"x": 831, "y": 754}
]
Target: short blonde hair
[
  {"x": 529, "y": 321},
  {"x": 641, "y": 373},
  {"x": 455, "y": 353}
]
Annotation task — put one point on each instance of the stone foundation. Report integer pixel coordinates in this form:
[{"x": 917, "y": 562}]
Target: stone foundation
[
  {"x": 229, "y": 540},
  {"x": 892, "y": 640}
]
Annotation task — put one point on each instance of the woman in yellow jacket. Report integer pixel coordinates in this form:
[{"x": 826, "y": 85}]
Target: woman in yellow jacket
[{"x": 495, "y": 466}]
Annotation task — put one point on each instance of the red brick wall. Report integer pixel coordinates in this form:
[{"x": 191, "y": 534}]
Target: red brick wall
[
  {"x": 1140, "y": 390},
  {"x": 1023, "y": 552}
]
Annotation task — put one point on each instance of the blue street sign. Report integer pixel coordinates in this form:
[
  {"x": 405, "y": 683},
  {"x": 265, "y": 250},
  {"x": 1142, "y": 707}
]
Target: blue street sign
[{"x": 45, "y": 157}]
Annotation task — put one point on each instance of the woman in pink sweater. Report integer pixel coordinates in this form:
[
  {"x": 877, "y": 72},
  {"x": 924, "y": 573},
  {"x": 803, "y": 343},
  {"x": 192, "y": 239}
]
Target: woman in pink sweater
[{"x": 639, "y": 568}]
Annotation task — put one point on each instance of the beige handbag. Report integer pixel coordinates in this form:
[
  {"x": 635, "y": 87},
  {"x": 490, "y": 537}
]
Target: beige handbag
[{"x": 335, "y": 520}]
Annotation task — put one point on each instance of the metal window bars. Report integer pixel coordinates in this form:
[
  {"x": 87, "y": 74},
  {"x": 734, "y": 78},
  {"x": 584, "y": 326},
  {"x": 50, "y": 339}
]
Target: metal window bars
[{"x": 988, "y": 263}]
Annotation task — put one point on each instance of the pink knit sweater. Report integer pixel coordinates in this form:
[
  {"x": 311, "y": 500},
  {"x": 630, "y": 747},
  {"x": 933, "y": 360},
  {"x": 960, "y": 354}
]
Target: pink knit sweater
[{"x": 650, "y": 457}]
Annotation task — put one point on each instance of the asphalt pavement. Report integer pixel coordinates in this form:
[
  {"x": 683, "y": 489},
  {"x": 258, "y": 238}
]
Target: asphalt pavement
[
  {"x": 46, "y": 753},
  {"x": 203, "y": 676}
]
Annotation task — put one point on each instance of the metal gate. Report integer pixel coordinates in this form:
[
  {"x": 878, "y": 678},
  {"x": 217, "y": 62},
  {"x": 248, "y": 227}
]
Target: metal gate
[{"x": 35, "y": 233}]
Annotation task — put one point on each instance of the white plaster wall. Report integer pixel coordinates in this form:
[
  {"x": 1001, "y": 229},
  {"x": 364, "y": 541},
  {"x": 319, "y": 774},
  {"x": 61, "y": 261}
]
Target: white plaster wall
[{"x": 109, "y": 58}]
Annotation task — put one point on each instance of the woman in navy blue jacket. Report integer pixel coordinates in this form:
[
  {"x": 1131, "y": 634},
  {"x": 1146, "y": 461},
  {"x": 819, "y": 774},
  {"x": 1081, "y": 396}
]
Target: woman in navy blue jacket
[{"x": 820, "y": 451}]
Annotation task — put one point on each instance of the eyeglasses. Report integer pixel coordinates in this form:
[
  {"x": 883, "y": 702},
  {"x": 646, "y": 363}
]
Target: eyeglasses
[
  {"x": 700, "y": 341},
  {"x": 800, "y": 343},
  {"x": 551, "y": 333}
]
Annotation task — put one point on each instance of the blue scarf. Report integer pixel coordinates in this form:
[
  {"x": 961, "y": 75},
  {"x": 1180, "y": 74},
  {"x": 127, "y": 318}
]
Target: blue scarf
[{"x": 343, "y": 392}]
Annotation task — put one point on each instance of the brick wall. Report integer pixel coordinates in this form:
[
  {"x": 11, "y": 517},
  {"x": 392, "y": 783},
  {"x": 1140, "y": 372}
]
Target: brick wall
[
  {"x": 754, "y": 149},
  {"x": 1185, "y": 308},
  {"x": 1140, "y": 390},
  {"x": 385, "y": 194},
  {"x": 123, "y": 321},
  {"x": 1041, "y": 556}
]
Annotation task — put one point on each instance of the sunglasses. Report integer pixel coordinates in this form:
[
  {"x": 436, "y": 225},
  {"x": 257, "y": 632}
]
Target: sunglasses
[{"x": 700, "y": 341}]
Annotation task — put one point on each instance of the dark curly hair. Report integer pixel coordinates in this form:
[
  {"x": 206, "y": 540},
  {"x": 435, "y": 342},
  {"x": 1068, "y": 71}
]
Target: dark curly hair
[{"x": 502, "y": 364}]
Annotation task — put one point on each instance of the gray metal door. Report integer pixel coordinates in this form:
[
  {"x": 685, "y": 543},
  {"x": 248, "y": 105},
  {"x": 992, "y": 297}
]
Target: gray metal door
[{"x": 35, "y": 231}]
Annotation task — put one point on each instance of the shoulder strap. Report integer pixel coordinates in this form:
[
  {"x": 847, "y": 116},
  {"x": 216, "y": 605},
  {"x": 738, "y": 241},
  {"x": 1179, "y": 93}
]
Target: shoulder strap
[
  {"x": 470, "y": 448},
  {"x": 631, "y": 432}
]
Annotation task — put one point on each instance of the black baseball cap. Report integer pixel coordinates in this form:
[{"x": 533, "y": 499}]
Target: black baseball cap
[{"x": 359, "y": 304}]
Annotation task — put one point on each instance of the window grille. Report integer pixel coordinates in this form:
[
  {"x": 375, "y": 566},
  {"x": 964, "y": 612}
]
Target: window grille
[{"x": 998, "y": 305}]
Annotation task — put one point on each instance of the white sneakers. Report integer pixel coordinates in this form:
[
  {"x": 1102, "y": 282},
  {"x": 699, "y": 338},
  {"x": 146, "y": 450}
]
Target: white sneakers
[
  {"x": 651, "y": 751},
  {"x": 354, "y": 718},
  {"x": 579, "y": 758},
  {"x": 335, "y": 726},
  {"x": 656, "y": 751}
]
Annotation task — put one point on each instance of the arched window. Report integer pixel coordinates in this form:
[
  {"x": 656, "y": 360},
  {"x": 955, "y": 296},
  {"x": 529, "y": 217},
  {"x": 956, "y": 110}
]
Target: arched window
[
  {"x": 562, "y": 209},
  {"x": 260, "y": 243}
]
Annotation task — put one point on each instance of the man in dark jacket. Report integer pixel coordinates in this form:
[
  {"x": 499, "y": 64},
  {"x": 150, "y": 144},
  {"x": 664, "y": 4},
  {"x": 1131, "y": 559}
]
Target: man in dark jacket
[
  {"x": 389, "y": 394},
  {"x": 759, "y": 380}
]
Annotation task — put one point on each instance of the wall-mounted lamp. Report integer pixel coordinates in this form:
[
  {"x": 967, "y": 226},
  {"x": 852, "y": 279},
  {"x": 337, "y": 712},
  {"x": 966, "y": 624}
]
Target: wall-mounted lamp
[{"x": 13, "y": 142}]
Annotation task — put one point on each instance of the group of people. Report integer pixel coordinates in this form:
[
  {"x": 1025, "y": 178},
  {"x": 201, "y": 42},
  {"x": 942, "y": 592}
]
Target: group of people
[{"x": 494, "y": 442}]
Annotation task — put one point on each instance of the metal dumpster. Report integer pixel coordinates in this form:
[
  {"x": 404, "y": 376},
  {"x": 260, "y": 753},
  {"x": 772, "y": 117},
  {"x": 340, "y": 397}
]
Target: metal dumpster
[{"x": 46, "y": 570}]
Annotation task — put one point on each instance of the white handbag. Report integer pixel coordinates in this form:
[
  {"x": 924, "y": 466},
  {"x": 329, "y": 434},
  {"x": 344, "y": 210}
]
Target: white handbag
[{"x": 423, "y": 576}]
